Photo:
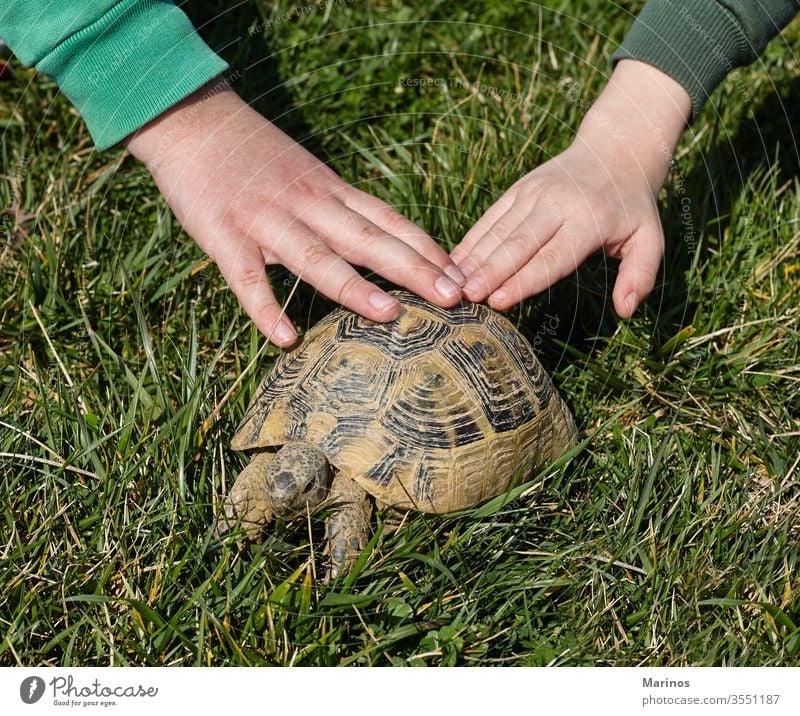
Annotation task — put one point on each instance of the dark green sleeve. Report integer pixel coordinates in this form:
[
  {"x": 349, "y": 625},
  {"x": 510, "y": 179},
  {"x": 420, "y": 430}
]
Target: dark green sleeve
[
  {"x": 120, "y": 62},
  {"x": 698, "y": 42}
]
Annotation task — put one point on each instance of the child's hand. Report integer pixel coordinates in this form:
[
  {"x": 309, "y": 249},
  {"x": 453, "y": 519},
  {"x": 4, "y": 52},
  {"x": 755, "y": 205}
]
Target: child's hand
[
  {"x": 249, "y": 196},
  {"x": 552, "y": 219},
  {"x": 600, "y": 192}
]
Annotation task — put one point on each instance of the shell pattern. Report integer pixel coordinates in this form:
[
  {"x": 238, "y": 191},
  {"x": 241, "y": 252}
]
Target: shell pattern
[{"x": 435, "y": 411}]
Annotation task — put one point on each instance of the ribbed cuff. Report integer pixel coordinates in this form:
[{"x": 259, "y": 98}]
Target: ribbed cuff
[
  {"x": 131, "y": 65},
  {"x": 695, "y": 42}
]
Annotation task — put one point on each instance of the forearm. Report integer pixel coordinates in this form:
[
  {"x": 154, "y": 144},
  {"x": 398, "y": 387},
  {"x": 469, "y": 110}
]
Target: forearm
[
  {"x": 120, "y": 62},
  {"x": 698, "y": 42}
]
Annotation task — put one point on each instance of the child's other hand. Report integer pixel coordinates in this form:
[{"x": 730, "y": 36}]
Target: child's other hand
[
  {"x": 599, "y": 193},
  {"x": 249, "y": 195}
]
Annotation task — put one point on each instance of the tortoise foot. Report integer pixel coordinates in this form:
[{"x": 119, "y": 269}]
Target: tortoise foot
[
  {"x": 393, "y": 519},
  {"x": 347, "y": 529},
  {"x": 247, "y": 506}
]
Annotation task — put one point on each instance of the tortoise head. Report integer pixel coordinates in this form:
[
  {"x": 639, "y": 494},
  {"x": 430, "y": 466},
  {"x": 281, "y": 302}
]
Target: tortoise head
[{"x": 297, "y": 479}]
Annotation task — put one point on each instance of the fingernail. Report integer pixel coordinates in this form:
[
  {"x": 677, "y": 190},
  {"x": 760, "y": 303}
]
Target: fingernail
[
  {"x": 631, "y": 302},
  {"x": 446, "y": 288},
  {"x": 284, "y": 333},
  {"x": 454, "y": 273},
  {"x": 382, "y": 302}
]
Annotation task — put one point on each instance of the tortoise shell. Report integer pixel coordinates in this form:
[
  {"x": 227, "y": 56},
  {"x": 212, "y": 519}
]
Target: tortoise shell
[{"x": 435, "y": 411}]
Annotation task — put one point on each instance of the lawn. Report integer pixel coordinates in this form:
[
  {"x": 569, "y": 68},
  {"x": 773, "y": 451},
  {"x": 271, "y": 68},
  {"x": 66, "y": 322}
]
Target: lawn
[{"x": 669, "y": 537}]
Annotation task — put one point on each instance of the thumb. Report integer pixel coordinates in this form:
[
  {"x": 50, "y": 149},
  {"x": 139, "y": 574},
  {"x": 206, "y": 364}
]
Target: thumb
[{"x": 641, "y": 258}]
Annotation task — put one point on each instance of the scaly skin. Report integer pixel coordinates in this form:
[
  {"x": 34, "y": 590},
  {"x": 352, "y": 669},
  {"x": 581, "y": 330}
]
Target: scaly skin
[
  {"x": 347, "y": 529},
  {"x": 285, "y": 484},
  {"x": 248, "y": 501},
  {"x": 297, "y": 479}
]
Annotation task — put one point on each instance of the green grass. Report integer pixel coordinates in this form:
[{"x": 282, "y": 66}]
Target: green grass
[{"x": 669, "y": 537}]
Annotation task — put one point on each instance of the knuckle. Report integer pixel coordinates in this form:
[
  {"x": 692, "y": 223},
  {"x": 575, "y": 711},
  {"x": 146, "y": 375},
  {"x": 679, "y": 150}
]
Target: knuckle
[
  {"x": 233, "y": 220},
  {"x": 324, "y": 175},
  {"x": 519, "y": 240},
  {"x": 351, "y": 217},
  {"x": 266, "y": 308},
  {"x": 502, "y": 228},
  {"x": 245, "y": 211},
  {"x": 312, "y": 253},
  {"x": 549, "y": 255},
  {"x": 253, "y": 290},
  {"x": 650, "y": 268},
  {"x": 369, "y": 232},
  {"x": 318, "y": 184},
  {"x": 350, "y": 285},
  {"x": 253, "y": 276},
  {"x": 511, "y": 258},
  {"x": 391, "y": 219}
]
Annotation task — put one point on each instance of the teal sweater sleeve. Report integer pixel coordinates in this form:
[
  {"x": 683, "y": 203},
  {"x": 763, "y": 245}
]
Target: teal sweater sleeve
[
  {"x": 698, "y": 42},
  {"x": 120, "y": 62}
]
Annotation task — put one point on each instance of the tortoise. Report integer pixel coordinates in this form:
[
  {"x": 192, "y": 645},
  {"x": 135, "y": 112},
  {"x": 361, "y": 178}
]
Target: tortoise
[{"x": 435, "y": 411}]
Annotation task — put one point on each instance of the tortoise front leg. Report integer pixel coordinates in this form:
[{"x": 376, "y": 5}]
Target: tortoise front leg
[
  {"x": 248, "y": 502},
  {"x": 393, "y": 519},
  {"x": 347, "y": 528}
]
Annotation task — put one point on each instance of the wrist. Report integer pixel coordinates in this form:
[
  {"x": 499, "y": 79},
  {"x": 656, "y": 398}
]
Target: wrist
[
  {"x": 638, "y": 118},
  {"x": 163, "y": 137}
]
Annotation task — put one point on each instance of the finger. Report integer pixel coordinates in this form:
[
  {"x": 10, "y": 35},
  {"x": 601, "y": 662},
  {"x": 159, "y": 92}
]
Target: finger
[
  {"x": 464, "y": 248},
  {"x": 358, "y": 240},
  {"x": 245, "y": 273},
  {"x": 523, "y": 207},
  {"x": 558, "y": 258},
  {"x": 519, "y": 247},
  {"x": 641, "y": 259},
  {"x": 315, "y": 263},
  {"x": 394, "y": 223}
]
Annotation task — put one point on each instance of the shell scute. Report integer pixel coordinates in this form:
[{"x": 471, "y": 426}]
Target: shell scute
[{"x": 411, "y": 335}]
